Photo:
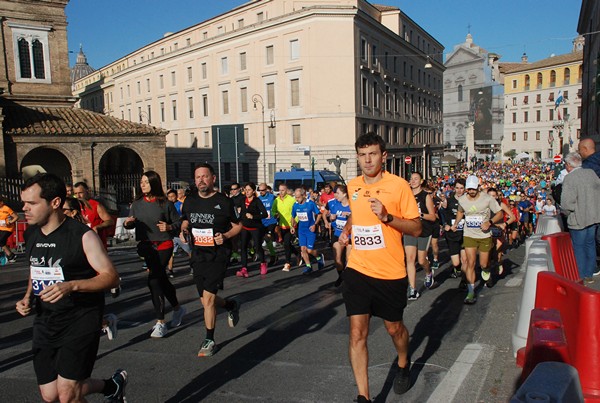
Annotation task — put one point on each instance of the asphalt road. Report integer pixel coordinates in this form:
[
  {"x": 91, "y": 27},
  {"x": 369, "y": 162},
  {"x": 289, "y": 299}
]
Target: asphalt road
[{"x": 290, "y": 344}]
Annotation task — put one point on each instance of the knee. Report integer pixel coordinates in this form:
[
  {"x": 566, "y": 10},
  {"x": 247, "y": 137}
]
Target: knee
[
  {"x": 398, "y": 330},
  {"x": 49, "y": 395},
  {"x": 68, "y": 393},
  {"x": 358, "y": 337}
]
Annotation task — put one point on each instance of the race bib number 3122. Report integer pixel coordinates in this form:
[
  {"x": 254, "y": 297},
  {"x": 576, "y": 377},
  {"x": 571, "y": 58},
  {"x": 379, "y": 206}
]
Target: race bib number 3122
[{"x": 42, "y": 277}]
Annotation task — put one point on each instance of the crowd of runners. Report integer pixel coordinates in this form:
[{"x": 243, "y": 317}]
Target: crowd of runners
[{"x": 379, "y": 229}]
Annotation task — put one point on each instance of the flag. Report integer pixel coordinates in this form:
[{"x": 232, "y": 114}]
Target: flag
[
  {"x": 570, "y": 141},
  {"x": 559, "y": 100}
]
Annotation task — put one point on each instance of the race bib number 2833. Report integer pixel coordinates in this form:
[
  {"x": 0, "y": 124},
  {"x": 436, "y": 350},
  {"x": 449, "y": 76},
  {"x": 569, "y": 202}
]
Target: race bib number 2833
[{"x": 367, "y": 237}]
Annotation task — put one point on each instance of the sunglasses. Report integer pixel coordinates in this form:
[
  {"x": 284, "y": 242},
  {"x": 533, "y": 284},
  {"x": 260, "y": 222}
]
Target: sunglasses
[{"x": 262, "y": 190}]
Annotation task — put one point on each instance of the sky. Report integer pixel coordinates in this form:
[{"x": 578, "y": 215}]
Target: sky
[{"x": 111, "y": 29}]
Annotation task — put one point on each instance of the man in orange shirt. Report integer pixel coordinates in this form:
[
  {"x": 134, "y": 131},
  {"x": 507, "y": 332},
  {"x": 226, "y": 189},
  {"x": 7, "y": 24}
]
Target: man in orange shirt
[
  {"x": 375, "y": 282},
  {"x": 8, "y": 218}
]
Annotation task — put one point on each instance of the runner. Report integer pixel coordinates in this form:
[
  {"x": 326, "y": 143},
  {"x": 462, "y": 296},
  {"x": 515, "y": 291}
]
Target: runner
[
  {"x": 375, "y": 283},
  {"x": 251, "y": 214},
  {"x": 416, "y": 247},
  {"x": 499, "y": 230},
  {"x": 454, "y": 237},
  {"x": 307, "y": 215},
  {"x": 94, "y": 212},
  {"x": 477, "y": 209},
  {"x": 70, "y": 270},
  {"x": 209, "y": 217},
  {"x": 282, "y": 210},
  {"x": 8, "y": 218},
  {"x": 177, "y": 242},
  {"x": 267, "y": 198},
  {"x": 339, "y": 209}
]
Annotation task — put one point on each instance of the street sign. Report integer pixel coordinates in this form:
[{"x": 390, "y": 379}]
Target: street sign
[
  {"x": 407, "y": 159},
  {"x": 436, "y": 161},
  {"x": 557, "y": 159}
]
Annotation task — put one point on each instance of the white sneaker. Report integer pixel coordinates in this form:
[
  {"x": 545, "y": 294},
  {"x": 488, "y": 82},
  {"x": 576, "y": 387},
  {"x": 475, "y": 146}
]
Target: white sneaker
[
  {"x": 286, "y": 267},
  {"x": 110, "y": 328},
  {"x": 159, "y": 330},
  {"x": 178, "y": 316}
]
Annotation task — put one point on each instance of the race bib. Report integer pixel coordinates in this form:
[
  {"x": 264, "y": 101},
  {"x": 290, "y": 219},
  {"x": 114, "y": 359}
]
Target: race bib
[
  {"x": 474, "y": 221},
  {"x": 2, "y": 223},
  {"x": 302, "y": 216},
  {"x": 367, "y": 237},
  {"x": 42, "y": 277},
  {"x": 203, "y": 237},
  {"x": 461, "y": 224},
  {"x": 340, "y": 224}
]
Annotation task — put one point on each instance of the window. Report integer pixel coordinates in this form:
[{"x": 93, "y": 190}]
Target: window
[
  {"x": 173, "y": 79},
  {"x": 527, "y": 81},
  {"x": 538, "y": 135},
  {"x": 294, "y": 49},
  {"x": 567, "y": 76},
  {"x": 296, "y": 136},
  {"x": 225, "y": 102},
  {"x": 162, "y": 111},
  {"x": 147, "y": 85},
  {"x": 244, "y": 99},
  {"x": 552, "y": 78},
  {"x": 579, "y": 112},
  {"x": 540, "y": 80},
  {"x": 191, "y": 107},
  {"x": 224, "y": 66},
  {"x": 388, "y": 98},
  {"x": 240, "y": 23},
  {"x": 514, "y": 101},
  {"x": 269, "y": 55},
  {"x": 31, "y": 52},
  {"x": 243, "y": 65},
  {"x": 193, "y": 141},
  {"x": 149, "y": 112},
  {"x": 374, "y": 61},
  {"x": 514, "y": 84},
  {"x": 161, "y": 82},
  {"x": 189, "y": 75},
  {"x": 174, "y": 108},
  {"x": 566, "y": 95},
  {"x": 205, "y": 104},
  {"x": 175, "y": 140},
  {"x": 375, "y": 95},
  {"x": 203, "y": 68},
  {"x": 295, "y": 92},
  {"x": 188, "y": 42},
  {"x": 246, "y": 136},
  {"x": 551, "y": 97},
  {"x": 525, "y": 100},
  {"x": 550, "y": 114},
  {"x": 205, "y": 35},
  {"x": 525, "y": 116},
  {"x": 538, "y": 98},
  {"x": 365, "y": 92},
  {"x": 260, "y": 17},
  {"x": 206, "y": 139},
  {"x": 565, "y": 113},
  {"x": 538, "y": 116},
  {"x": 514, "y": 117},
  {"x": 460, "y": 93},
  {"x": 271, "y": 95},
  {"x": 272, "y": 135},
  {"x": 363, "y": 49},
  {"x": 140, "y": 114},
  {"x": 525, "y": 136},
  {"x": 220, "y": 30}
]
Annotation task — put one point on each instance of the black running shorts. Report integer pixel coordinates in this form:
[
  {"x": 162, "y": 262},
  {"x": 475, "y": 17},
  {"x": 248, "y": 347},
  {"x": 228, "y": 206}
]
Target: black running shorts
[
  {"x": 209, "y": 270},
  {"x": 364, "y": 295}
]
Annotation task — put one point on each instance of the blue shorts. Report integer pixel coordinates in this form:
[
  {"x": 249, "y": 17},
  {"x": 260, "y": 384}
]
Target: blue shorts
[{"x": 307, "y": 238}]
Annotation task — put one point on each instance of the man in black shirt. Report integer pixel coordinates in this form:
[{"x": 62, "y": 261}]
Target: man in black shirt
[
  {"x": 69, "y": 272},
  {"x": 211, "y": 221}
]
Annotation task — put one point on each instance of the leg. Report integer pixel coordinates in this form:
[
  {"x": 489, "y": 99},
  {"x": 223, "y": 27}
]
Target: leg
[
  {"x": 411, "y": 269},
  {"x": 209, "y": 301},
  {"x": 359, "y": 353},
  {"x": 423, "y": 261},
  {"x": 471, "y": 255},
  {"x": 167, "y": 288},
  {"x": 399, "y": 334},
  {"x": 257, "y": 236},
  {"x": 339, "y": 266},
  {"x": 244, "y": 241},
  {"x": 287, "y": 244}
]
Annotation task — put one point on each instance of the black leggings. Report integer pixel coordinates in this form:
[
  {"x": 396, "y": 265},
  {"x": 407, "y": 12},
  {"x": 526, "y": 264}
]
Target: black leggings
[
  {"x": 256, "y": 236},
  {"x": 158, "y": 282},
  {"x": 287, "y": 245}
]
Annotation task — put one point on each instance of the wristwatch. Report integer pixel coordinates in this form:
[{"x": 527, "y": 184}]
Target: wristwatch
[{"x": 388, "y": 219}]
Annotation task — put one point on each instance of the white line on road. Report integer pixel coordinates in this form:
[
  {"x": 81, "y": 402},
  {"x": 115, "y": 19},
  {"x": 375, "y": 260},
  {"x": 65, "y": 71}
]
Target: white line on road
[
  {"x": 447, "y": 389},
  {"x": 514, "y": 281}
]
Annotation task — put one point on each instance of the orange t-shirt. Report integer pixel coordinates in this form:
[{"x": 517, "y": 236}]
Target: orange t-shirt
[
  {"x": 377, "y": 249},
  {"x": 5, "y": 213}
]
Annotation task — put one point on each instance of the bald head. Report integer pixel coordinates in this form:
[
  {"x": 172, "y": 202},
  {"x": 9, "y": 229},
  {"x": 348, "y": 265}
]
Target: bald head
[{"x": 586, "y": 147}]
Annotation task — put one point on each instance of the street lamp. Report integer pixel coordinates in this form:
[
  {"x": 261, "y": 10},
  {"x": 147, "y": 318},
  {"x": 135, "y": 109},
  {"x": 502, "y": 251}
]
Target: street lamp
[
  {"x": 272, "y": 125},
  {"x": 256, "y": 98},
  {"x": 410, "y": 140}
]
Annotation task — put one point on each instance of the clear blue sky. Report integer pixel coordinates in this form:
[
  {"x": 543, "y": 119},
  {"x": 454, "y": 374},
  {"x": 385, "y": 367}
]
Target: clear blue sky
[{"x": 508, "y": 27}]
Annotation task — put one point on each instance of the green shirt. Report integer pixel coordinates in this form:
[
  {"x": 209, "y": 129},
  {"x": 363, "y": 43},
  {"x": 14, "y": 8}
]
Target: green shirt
[{"x": 282, "y": 209}]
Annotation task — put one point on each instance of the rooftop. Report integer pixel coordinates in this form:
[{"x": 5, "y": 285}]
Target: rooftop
[{"x": 540, "y": 64}]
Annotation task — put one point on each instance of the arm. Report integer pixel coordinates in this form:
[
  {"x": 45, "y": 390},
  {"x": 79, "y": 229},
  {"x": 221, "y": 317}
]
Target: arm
[
  {"x": 13, "y": 218},
  {"x": 410, "y": 227},
  {"x": 24, "y": 305},
  {"x": 106, "y": 218},
  {"x": 459, "y": 216},
  {"x": 236, "y": 228},
  {"x": 261, "y": 208},
  {"x": 430, "y": 215},
  {"x": 98, "y": 258}
]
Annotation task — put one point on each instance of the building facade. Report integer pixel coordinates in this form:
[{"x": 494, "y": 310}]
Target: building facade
[
  {"x": 283, "y": 84},
  {"x": 543, "y": 105},
  {"x": 589, "y": 26},
  {"x": 473, "y": 102}
]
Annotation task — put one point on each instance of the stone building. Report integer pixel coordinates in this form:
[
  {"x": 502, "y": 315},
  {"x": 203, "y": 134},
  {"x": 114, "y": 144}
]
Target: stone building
[
  {"x": 589, "y": 26},
  {"x": 40, "y": 126},
  {"x": 300, "y": 80}
]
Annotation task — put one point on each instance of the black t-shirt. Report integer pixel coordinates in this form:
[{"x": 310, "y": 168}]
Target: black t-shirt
[
  {"x": 427, "y": 226},
  {"x": 214, "y": 213},
  {"x": 59, "y": 256}
]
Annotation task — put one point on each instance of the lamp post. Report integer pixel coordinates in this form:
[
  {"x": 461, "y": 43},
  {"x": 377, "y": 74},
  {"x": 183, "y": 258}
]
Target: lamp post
[
  {"x": 256, "y": 98},
  {"x": 272, "y": 125},
  {"x": 410, "y": 140}
]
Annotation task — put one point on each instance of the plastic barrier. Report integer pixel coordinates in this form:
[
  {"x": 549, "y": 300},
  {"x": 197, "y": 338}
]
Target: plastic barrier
[
  {"x": 529, "y": 241},
  {"x": 538, "y": 260},
  {"x": 121, "y": 233},
  {"x": 579, "y": 307},
  {"x": 17, "y": 240},
  {"x": 563, "y": 256},
  {"x": 550, "y": 382},
  {"x": 548, "y": 225}
]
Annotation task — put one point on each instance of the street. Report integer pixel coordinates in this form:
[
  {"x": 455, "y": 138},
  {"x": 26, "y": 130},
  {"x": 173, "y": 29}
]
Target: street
[{"x": 290, "y": 344}]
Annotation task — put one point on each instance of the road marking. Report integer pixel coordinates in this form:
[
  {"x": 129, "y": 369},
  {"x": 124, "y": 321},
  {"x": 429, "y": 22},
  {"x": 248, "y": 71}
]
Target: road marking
[
  {"x": 514, "y": 281},
  {"x": 447, "y": 389}
]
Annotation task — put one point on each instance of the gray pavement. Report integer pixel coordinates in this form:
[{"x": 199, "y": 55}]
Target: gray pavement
[{"x": 290, "y": 344}]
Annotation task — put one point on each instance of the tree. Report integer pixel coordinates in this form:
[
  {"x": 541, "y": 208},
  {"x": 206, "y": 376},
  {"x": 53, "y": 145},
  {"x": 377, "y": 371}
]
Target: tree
[{"x": 511, "y": 153}]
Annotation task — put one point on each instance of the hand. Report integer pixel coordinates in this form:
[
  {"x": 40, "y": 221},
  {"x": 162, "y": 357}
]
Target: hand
[
  {"x": 129, "y": 220},
  {"x": 249, "y": 216},
  {"x": 163, "y": 226},
  {"x": 343, "y": 238},
  {"x": 219, "y": 238},
  {"x": 453, "y": 228},
  {"x": 485, "y": 225},
  {"x": 311, "y": 228},
  {"x": 447, "y": 228},
  {"x": 56, "y": 292},
  {"x": 292, "y": 230},
  {"x": 24, "y": 306},
  {"x": 378, "y": 208}
]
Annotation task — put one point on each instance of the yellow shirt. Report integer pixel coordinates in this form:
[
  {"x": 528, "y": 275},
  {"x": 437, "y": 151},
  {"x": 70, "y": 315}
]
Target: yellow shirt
[
  {"x": 377, "y": 249},
  {"x": 5, "y": 213}
]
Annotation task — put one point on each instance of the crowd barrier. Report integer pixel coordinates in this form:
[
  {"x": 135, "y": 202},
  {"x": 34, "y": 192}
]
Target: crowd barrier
[
  {"x": 550, "y": 382},
  {"x": 17, "y": 241},
  {"x": 563, "y": 255},
  {"x": 548, "y": 225}
]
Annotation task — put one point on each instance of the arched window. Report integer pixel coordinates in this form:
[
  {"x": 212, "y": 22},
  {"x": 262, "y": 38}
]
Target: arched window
[
  {"x": 460, "y": 93},
  {"x": 38, "y": 60},
  {"x": 527, "y": 81},
  {"x": 24, "y": 58},
  {"x": 540, "y": 80},
  {"x": 552, "y": 78},
  {"x": 567, "y": 78}
]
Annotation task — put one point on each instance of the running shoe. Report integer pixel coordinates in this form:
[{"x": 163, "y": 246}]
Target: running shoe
[
  {"x": 462, "y": 285},
  {"x": 12, "y": 258},
  {"x": 485, "y": 275},
  {"x": 435, "y": 265},
  {"x": 110, "y": 327},
  {"x": 339, "y": 280},
  {"x": 471, "y": 298},
  {"x": 321, "y": 261},
  {"x": 597, "y": 272},
  {"x": 178, "y": 316},
  {"x": 263, "y": 269},
  {"x": 429, "y": 281},
  {"x": 402, "y": 380},
  {"x": 500, "y": 269},
  {"x": 159, "y": 330},
  {"x": 272, "y": 260},
  {"x": 362, "y": 399},
  {"x": 286, "y": 267},
  {"x": 115, "y": 292},
  {"x": 207, "y": 349},
  {"x": 170, "y": 273},
  {"x": 120, "y": 380},
  {"x": 243, "y": 272},
  {"x": 455, "y": 273},
  {"x": 233, "y": 315},
  {"x": 307, "y": 270},
  {"x": 413, "y": 295}
]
